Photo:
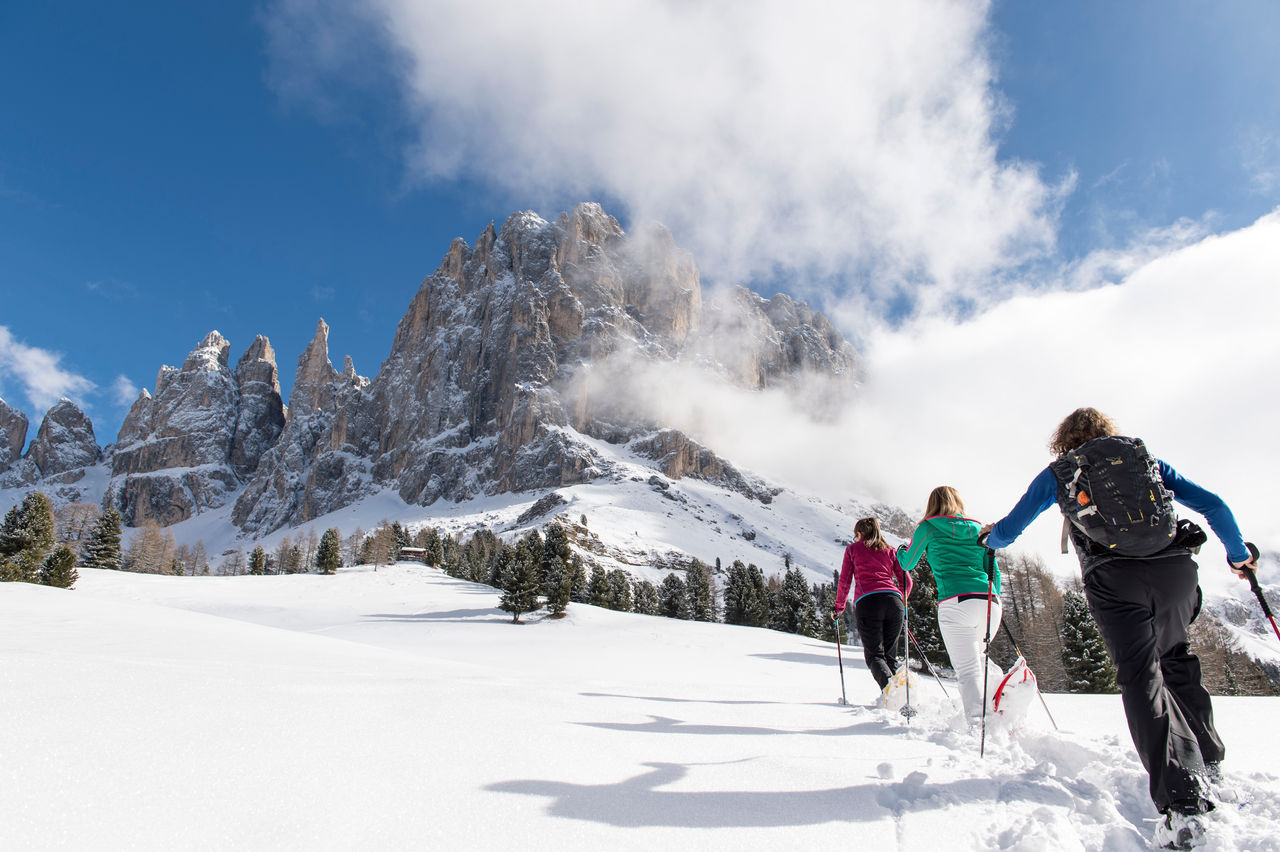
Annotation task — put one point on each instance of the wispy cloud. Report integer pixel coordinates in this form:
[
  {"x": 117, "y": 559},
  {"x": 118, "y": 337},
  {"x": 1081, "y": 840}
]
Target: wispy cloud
[
  {"x": 322, "y": 294},
  {"x": 112, "y": 289},
  {"x": 848, "y": 142},
  {"x": 1260, "y": 153},
  {"x": 44, "y": 381},
  {"x": 124, "y": 391}
]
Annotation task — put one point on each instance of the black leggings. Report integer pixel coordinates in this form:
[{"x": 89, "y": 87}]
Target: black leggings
[{"x": 879, "y": 619}]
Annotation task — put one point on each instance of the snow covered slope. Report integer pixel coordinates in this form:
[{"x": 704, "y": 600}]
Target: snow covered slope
[{"x": 400, "y": 708}]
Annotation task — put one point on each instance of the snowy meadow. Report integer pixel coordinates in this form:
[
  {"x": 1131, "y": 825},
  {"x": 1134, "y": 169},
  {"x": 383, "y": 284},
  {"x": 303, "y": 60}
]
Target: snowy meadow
[{"x": 399, "y": 708}]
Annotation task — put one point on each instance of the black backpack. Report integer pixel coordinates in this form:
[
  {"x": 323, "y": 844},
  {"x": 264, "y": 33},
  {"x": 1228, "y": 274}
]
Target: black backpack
[{"x": 1109, "y": 489}]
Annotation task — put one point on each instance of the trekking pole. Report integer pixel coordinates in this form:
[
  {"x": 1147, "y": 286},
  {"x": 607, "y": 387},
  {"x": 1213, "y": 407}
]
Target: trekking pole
[
  {"x": 840, "y": 658},
  {"x": 989, "y": 562},
  {"x": 1014, "y": 642},
  {"x": 1257, "y": 590},
  {"x": 928, "y": 664},
  {"x": 907, "y": 710}
]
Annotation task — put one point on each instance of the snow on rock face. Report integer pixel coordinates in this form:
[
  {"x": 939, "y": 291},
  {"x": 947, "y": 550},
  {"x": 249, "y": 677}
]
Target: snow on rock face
[
  {"x": 65, "y": 441},
  {"x": 187, "y": 448},
  {"x": 320, "y": 461},
  {"x": 13, "y": 434},
  {"x": 482, "y": 392},
  {"x": 260, "y": 418}
]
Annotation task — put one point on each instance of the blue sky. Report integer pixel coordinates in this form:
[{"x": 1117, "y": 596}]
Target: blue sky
[{"x": 171, "y": 168}]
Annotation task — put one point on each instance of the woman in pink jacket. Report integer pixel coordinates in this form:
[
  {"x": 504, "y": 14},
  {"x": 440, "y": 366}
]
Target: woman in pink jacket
[{"x": 871, "y": 567}]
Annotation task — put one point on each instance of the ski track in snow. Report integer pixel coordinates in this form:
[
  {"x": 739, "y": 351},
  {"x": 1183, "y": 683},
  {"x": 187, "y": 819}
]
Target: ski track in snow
[{"x": 401, "y": 709}]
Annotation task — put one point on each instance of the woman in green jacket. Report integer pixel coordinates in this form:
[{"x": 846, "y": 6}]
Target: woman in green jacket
[{"x": 965, "y": 593}]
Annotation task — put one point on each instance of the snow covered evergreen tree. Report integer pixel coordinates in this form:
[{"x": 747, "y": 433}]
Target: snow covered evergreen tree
[
  {"x": 735, "y": 594},
  {"x": 619, "y": 595},
  {"x": 1084, "y": 655},
  {"x": 702, "y": 602},
  {"x": 555, "y": 586},
  {"x": 556, "y": 554},
  {"x": 329, "y": 553},
  {"x": 59, "y": 568},
  {"x": 578, "y": 592},
  {"x": 673, "y": 600},
  {"x": 523, "y": 581},
  {"x": 795, "y": 612},
  {"x": 102, "y": 550},
  {"x": 645, "y": 595},
  {"x": 598, "y": 587},
  {"x": 25, "y": 538},
  {"x": 258, "y": 561}
]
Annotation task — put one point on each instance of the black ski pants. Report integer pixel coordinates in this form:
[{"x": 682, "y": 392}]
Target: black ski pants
[
  {"x": 1143, "y": 608},
  {"x": 879, "y": 619}
]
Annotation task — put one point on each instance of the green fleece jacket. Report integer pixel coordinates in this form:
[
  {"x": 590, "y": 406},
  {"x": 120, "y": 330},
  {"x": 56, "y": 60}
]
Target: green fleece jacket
[{"x": 954, "y": 555}]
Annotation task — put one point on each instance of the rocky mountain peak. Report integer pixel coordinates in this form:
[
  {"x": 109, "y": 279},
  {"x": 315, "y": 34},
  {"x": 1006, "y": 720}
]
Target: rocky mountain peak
[
  {"x": 210, "y": 354},
  {"x": 13, "y": 434},
  {"x": 314, "y": 376},
  {"x": 65, "y": 441}
]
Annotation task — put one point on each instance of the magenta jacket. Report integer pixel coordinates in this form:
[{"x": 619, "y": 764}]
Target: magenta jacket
[{"x": 871, "y": 571}]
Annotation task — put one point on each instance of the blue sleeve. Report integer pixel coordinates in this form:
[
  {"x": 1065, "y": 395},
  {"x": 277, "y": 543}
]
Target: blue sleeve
[
  {"x": 1210, "y": 505},
  {"x": 1039, "y": 496}
]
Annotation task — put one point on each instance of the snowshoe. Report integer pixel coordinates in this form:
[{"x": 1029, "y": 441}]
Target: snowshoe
[
  {"x": 1015, "y": 693},
  {"x": 894, "y": 695},
  {"x": 1180, "y": 831}
]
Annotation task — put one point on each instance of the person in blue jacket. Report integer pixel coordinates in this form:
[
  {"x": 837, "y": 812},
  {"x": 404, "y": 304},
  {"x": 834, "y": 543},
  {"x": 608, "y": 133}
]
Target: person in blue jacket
[{"x": 1143, "y": 607}]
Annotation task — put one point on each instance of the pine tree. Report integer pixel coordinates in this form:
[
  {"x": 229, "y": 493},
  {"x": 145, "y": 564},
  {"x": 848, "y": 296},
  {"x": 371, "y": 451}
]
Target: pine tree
[
  {"x": 258, "y": 561},
  {"x": 619, "y": 597},
  {"x": 578, "y": 580},
  {"x": 758, "y": 602},
  {"x": 59, "y": 568},
  {"x": 329, "y": 553},
  {"x": 824, "y": 601},
  {"x": 434, "y": 545},
  {"x": 795, "y": 612},
  {"x": 503, "y": 567},
  {"x": 25, "y": 538},
  {"x": 1084, "y": 655},
  {"x": 598, "y": 587},
  {"x": 645, "y": 595},
  {"x": 555, "y": 549},
  {"x": 400, "y": 536},
  {"x": 673, "y": 600},
  {"x": 736, "y": 590},
  {"x": 555, "y": 586},
  {"x": 702, "y": 602},
  {"x": 522, "y": 584}
]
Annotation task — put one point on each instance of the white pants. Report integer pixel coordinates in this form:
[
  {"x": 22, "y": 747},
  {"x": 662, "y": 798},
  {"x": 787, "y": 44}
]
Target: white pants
[{"x": 963, "y": 625}]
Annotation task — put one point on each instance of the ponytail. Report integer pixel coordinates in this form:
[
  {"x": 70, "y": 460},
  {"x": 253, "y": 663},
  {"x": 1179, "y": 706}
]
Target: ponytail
[{"x": 868, "y": 529}]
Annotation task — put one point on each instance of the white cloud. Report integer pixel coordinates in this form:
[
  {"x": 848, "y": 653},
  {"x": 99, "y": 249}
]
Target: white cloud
[
  {"x": 806, "y": 138},
  {"x": 1182, "y": 352},
  {"x": 39, "y": 371},
  {"x": 124, "y": 391}
]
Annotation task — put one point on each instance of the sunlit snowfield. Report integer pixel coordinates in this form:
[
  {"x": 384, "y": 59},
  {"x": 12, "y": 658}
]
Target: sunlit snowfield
[{"x": 401, "y": 709}]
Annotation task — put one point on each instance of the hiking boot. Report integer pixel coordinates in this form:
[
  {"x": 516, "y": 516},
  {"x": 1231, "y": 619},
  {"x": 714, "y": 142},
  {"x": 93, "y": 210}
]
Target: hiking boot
[{"x": 1180, "y": 831}]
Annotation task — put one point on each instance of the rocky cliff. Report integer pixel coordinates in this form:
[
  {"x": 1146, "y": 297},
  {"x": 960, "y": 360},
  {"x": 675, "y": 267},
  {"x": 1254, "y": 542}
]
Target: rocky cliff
[
  {"x": 190, "y": 446},
  {"x": 13, "y": 434},
  {"x": 488, "y": 386}
]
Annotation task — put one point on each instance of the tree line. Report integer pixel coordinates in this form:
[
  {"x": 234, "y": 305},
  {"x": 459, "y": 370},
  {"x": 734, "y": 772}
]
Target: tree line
[{"x": 1049, "y": 620}]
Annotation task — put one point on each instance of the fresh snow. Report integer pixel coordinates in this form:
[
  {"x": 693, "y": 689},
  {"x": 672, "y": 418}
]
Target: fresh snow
[{"x": 399, "y": 708}]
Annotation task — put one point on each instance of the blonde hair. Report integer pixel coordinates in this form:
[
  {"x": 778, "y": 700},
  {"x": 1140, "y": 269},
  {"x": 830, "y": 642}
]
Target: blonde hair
[
  {"x": 944, "y": 500},
  {"x": 1080, "y": 426},
  {"x": 868, "y": 529}
]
